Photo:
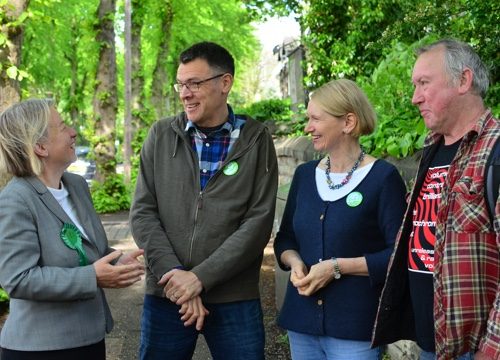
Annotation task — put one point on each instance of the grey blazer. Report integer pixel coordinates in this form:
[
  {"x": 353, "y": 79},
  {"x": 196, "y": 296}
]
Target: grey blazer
[{"x": 55, "y": 303}]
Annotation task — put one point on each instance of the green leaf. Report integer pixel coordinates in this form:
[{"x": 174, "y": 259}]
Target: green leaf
[
  {"x": 22, "y": 75},
  {"x": 393, "y": 150},
  {"x": 12, "y": 72}
]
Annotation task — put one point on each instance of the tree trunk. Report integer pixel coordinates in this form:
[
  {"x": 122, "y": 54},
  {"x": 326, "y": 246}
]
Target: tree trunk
[
  {"x": 160, "y": 76},
  {"x": 11, "y": 39},
  {"x": 127, "y": 123},
  {"x": 105, "y": 102},
  {"x": 138, "y": 98},
  {"x": 135, "y": 109}
]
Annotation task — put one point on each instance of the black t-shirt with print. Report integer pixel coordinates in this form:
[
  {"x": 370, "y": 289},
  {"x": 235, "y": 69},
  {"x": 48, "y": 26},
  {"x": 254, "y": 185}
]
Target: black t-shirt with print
[{"x": 421, "y": 245}]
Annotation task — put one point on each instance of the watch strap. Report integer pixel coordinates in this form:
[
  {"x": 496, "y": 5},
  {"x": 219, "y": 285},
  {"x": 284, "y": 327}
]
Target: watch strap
[{"x": 336, "y": 269}]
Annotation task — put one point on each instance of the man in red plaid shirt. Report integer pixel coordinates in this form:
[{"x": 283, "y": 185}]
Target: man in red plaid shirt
[{"x": 442, "y": 288}]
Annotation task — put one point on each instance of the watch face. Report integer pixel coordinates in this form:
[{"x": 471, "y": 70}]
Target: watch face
[{"x": 337, "y": 276}]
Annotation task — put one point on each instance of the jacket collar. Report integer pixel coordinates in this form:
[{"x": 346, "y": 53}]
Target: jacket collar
[
  {"x": 75, "y": 192},
  {"x": 252, "y": 130},
  {"x": 228, "y": 125},
  {"x": 51, "y": 203}
]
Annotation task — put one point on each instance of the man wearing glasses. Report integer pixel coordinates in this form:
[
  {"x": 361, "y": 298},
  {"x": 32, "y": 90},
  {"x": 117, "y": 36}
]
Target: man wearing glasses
[{"x": 203, "y": 212}]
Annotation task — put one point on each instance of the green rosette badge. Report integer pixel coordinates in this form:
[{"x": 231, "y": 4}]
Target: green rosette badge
[{"x": 72, "y": 238}]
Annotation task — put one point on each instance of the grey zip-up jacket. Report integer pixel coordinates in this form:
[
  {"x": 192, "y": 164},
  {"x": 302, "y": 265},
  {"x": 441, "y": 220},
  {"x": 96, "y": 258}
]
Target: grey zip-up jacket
[{"x": 219, "y": 233}]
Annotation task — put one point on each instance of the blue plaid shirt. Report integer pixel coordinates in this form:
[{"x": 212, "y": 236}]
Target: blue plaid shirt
[{"x": 212, "y": 150}]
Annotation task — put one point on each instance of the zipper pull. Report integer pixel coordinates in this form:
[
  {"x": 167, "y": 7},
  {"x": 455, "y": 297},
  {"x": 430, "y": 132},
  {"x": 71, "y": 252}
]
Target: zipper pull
[{"x": 200, "y": 200}]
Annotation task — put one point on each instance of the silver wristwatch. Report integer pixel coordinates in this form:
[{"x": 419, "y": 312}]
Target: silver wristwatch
[{"x": 336, "y": 269}]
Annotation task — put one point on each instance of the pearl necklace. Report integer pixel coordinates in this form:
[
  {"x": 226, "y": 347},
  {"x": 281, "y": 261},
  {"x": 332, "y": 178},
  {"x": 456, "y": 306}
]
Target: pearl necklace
[{"x": 329, "y": 181}]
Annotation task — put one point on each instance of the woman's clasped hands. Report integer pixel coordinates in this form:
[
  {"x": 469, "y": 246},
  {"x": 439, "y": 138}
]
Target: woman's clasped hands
[{"x": 307, "y": 283}]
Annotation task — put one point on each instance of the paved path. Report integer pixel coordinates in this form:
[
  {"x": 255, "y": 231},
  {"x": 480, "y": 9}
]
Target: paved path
[{"x": 126, "y": 304}]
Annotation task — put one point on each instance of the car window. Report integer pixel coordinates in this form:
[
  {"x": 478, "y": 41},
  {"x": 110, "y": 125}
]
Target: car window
[{"x": 82, "y": 152}]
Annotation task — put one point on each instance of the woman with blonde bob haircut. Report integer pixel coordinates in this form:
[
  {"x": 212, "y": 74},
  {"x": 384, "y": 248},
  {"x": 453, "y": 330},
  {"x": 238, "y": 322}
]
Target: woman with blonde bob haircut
[
  {"x": 341, "y": 97},
  {"x": 54, "y": 254},
  {"x": 338, "y": 231}
]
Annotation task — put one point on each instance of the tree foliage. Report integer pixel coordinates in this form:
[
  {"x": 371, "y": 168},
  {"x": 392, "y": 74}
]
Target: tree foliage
[
  {"x": 12, "y": 18},
  {"x": 372, "y": 42},
  {"x": 61, "y": 57},
  {"x": 63, "y": 64},
  {"x": 264, "y": 9},
  {"x": 340, "y": 36},
  {"x": 400, "y": 130},
  {"x": 269, "y": 109},
  {"x": 472, "y": 21}
]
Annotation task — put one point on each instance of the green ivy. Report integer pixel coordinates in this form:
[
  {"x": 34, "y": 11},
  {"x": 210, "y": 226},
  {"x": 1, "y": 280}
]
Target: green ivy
[{"x": 112, "y": 195}]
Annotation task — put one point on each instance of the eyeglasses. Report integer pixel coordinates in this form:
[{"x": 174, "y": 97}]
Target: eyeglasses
[{"x": 194, "y": 86}]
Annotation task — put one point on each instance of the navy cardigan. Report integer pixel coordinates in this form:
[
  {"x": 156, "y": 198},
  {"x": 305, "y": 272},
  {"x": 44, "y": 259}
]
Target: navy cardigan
[{"x": 318, "y": 229}]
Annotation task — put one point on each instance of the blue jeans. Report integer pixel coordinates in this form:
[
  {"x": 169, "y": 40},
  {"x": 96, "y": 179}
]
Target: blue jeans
[
  {"x": 426, "y": 355},
  {"x": 232, "y": 331},
  {"x": 313, "y": 347}
]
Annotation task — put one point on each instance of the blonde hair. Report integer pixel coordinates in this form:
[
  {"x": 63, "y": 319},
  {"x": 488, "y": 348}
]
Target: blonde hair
[
  {"x": 22, "y": 126},
  {"x": 343, "y": 96}
]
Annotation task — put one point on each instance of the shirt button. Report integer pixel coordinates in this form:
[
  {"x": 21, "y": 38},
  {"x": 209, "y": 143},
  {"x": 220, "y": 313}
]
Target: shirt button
[
  {"x": 320, "y": 302},
  {"x": 207, "y": 144},
  {"x": 204, "y": 171},
  {"x": 322, "y": 217}
]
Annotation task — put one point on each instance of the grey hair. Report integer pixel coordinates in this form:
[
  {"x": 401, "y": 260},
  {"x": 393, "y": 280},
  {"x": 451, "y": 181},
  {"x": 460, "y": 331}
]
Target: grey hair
[
  {"x": 459, "y": 56},
  {"x": 22, "y": 126}
]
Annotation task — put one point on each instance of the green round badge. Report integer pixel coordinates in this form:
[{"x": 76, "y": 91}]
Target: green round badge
[
  {"x": 231, "y": 168},
  {"x": 354, "y": 199}
]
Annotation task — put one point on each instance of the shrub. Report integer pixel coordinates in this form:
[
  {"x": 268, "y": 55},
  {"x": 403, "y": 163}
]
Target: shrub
[
  {"x": 400, "y": 129},
  {"x": 272, "y": 109},
  {"x": 111, "y": 196},
  {"x": 280, "y": 113}
]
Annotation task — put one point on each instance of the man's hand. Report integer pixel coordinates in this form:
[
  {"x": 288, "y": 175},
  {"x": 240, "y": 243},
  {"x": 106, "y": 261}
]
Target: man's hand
[
  {"x": 193, "y": 311},
  {"x": 119, "y": 275},
  {"x": 180, "y": 285}
]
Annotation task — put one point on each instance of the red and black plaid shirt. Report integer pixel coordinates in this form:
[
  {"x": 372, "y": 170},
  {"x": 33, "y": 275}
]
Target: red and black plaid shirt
[{"x": 467, "y": 252}]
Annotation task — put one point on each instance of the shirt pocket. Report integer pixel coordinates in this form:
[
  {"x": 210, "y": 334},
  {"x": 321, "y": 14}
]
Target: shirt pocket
[{"x": 469, "y": 214}]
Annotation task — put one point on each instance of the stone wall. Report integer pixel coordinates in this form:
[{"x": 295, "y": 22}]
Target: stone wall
[{"x": 292, "y": 152}]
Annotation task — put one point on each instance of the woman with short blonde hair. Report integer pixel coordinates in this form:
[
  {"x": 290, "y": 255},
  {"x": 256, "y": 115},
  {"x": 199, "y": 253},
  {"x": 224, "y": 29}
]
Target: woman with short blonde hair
[
  {"x": 343, "y": 96},
  {"x": 338, "y": 231}
]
